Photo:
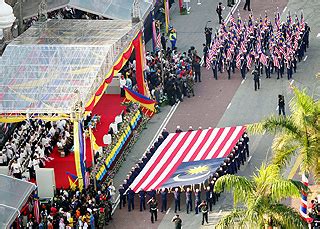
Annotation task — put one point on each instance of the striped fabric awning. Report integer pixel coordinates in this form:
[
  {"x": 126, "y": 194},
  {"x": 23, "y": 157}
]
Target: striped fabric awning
[{"x": 185, "y": 147}]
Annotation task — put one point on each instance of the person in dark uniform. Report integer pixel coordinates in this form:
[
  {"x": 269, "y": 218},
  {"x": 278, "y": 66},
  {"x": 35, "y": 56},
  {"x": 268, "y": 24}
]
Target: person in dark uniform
[
  {"x": 204, "y": 209},
  {"x": 122, "y": 197},
  {"x": 178, "y": 130},
  {"x": 142, "y": 196},
  {"x": 130, "y": 198},
  {"x": 228, "y": 67},
  {"x": 243, "y": 67},
  {"x": 219, "y": 12},
  {"x": 197, "y": 200},
  {"x": 205, "y": 54},
  {"x": 163, "y": 42},
  {"x": 197, "y": 70},
  {"x": 214, "y": 68},
  {"x": 177, "y": 221},
  {"x": 153, "y": 209},
  {"x": 164, "y": 199},
  {"x": 247, "y": 5},
  {"x": 208, "y": 34},
  {"x": 256, "y": 80},
  {"x": 289, "y": 69},
  {"x": 268, "y": 68},
  {"x": 281, "y": 105},
  {"x": 209, "y": 197},
  {"x": 164, "y": 133},
  {"x": 152, "y": 193},
  {"x": 189, "y": 200},
  {"x": 176, "y": 195}
]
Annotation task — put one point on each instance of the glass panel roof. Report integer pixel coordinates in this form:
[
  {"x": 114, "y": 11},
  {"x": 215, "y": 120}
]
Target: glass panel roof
[
  {"x": 113, "y": 9},
  {"x": 14, "y": 194},
  {"x": 52, "y": 64}
]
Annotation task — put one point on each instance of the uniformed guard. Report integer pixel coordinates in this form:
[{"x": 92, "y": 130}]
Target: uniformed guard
[
  {"x": 142, "y": 196},
  {"x": 214, "y": 67},
  {"x": 189, "y": 200},
  {"x": 176, "y": 195},
  {"x": 130, "y": 198},
  {"x": 153, "y": 209},
  {"x": 164, "y": 199},
  {"x": 209, "y": 197},
  {"x": 243, "y": 67},
  {"x": 122, "y": 197},
  {"x": 256, "y": 80},
  {"x": 197, "y": 200},
  {"x": 204, "y": 209}
]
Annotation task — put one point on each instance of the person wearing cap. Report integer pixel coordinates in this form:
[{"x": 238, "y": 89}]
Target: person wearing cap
[
  {"x": 196, "y": 68},
  {"x": 219, "y": 12},
  {"x": 204, "y": 209},
  {"x": 190, "y": 85},
  {"x": 164, "y": 199},
  {"x": 267, "y": 68},
  {"x": 153, "y": 209},
  {"x": 214, "y": 67},
  {"x": 190, "y": 128},
  {"x": 130, "y": 198},
  {"x": 209, "y": 197},
  {"x": 178, "y": 130},
  {"x": 188, "y": 200},
  {"x": 243, "y": 67},
  {"x": 176, "y": 195},
  {"x": 197, "y": 200},
  {"x": 177, "y": 221},
  {"x": 256, "y": 79},
  {"x": 142, "y": 196},
  {"x": 164, "y": 133},
  {"x": 122, "y": 197}
]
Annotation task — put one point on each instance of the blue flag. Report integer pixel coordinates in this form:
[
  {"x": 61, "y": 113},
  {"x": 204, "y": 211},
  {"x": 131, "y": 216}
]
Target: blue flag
[{"x": 193, "y": 172}]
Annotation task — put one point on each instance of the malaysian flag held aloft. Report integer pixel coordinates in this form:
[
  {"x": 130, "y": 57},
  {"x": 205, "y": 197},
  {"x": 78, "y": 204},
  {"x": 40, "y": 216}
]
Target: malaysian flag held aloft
[
  {"x": 263, "y": 59},
  {"x": 182, "y": 147},
  {"x": 249, "y": 61},
  {"x": 276, "y": 61},
  {"x": 238, "y": 61}
]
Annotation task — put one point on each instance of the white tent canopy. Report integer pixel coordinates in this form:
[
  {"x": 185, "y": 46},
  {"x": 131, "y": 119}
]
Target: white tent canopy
[
  {"x": 112, "y": 9},
  {"x": 55, "y": 64},
  {"x": 14, "y": 194}
]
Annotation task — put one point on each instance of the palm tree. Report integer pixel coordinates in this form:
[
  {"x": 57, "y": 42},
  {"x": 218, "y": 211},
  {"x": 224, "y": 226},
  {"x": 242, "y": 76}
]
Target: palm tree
[
  {"x": 260, "y": 200},
  {"x": 295, "y": 134}
]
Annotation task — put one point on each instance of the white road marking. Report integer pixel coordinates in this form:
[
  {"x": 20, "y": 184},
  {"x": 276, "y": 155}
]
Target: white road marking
[
  {"x": 305, "y": 58},
  {"x": 228, "y": 106},
  {"x": 221, "y": 210},
  {"x": 277, "y": 108},
  {"x": 284, "y": 9},
  {"x": 243, "y": 81},
  {"x": 291, "y": 82},
  {"x": 249, "y": 158},
  {"x": 168, "y": 211},
  {"x": 318, "y": 35},
  {"x": 233, "y": 9}
]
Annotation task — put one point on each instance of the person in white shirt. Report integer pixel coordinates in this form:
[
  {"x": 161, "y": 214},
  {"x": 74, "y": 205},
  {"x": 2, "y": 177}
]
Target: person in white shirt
[
  {"x": 1, "y": 160},
  {"x": 16, "y": 169},
  {"x": 122, "y": 84}
]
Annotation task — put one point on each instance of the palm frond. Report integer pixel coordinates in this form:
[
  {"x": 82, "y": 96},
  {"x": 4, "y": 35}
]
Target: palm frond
[
  {"x": 281, "y": 189},
  {"x": 286, "y": 217},
  {"x": 241, "y": 187},
  {"x": 232, "y": 220}
]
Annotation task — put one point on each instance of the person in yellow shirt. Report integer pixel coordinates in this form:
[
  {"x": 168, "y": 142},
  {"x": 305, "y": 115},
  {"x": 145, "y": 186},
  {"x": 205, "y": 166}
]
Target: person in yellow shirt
[{"x": 173, "y": 38}]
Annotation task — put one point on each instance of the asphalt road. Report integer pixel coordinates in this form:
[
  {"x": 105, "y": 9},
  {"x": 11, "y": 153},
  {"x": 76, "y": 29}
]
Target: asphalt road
[{"x": 229, "y": 102}]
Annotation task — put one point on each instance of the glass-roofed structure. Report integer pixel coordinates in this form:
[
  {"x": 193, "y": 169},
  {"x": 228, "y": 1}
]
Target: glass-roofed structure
[{"x": 56, "y": 63}]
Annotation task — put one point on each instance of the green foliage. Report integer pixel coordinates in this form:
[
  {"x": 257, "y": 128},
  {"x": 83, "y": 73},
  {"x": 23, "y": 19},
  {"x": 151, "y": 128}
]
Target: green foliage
[
  {"x": 295, "y": 134},
  {"x": 260, "y": 199}
]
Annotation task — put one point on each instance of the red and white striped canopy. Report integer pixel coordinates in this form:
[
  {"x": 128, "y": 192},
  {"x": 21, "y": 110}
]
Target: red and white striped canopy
[{"x": 184, "y": 147}]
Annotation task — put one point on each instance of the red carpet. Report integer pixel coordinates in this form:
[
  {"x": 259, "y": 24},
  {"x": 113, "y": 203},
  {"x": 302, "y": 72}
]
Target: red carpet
[
  {"x": 61, "y": 165},
  {"x": 108, "y": 108}
]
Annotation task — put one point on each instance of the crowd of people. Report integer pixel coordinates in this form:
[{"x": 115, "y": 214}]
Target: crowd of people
[
  {"x": 270, "y": 48},
  {"x": 31, "y": 143},
  {"x": 64, "y": 13},
  {"x": 172, "y": 75},
  {"x": 72, "y": 209},
  {"x": 203, "y": 201}
]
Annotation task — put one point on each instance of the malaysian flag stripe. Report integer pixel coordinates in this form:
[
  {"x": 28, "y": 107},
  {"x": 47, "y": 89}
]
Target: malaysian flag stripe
[
  {"x": 177, "y": 160},
  {"x": 221, "y": 142},
  {"x": 185, "y": 147},
  {"x": 213, "y": 138},
  {"x": 171, "y": 161},
  {"x": 198, "y": 146},
  {"x": 156, "y": 158},
  {"x": 163, "y": 160},
  {"x": 237, "y": 133}
]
